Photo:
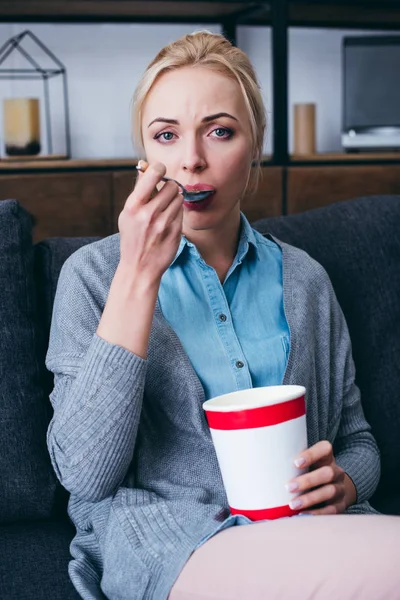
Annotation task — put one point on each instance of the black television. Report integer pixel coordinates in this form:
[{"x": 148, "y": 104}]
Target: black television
[{"x": 371, "y": 93}]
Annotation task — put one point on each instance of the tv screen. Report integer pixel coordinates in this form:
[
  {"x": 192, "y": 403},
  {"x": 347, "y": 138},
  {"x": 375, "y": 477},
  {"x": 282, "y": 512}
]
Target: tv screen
[{"x": 371, "y": 82}]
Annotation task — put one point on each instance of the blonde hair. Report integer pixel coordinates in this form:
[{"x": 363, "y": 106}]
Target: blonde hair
[{"x": 213, "y": 51}]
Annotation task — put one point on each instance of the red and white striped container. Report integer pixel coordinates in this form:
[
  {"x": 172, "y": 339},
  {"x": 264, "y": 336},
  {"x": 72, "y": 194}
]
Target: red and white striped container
[{"x": 257, "y": 434}]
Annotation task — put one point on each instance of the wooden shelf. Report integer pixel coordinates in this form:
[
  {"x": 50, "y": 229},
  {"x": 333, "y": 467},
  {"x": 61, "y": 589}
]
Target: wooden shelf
[
  {"x": 66, "y": 165},
  {"x": 370, "y": 14},
  {"x": 339, "y": 157},
  {"x": 126, "y": 164},
  {"x": 81, "y": 164},
  {"x": 134, "y": 10},
  {"x": 309, "y": 187}
]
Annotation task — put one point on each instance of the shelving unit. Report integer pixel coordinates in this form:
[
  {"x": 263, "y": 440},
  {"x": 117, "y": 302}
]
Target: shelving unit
[
  {"x": 349, "y": 14},
  {"x": 290, "y": 174},
  {"x": 279, "y": 14},
  {"x": 377, "y": 14},
  {"x": 149, "y": 11}
]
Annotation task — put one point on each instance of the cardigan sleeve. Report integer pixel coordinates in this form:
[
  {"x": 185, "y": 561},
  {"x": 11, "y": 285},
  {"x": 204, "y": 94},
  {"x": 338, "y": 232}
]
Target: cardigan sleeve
[
  {"x": 321, "y": 359},
  {"x": 98, "y": 388},
  {"x": 355, "y": 448},
  {"x": 354, "y": 445}
]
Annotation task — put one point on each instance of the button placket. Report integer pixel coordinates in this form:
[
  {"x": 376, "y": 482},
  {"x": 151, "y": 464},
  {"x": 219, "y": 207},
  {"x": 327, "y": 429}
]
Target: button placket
[{"x": 220, "y": 307}]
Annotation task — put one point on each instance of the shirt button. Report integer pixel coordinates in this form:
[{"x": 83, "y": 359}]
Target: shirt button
[
  {"x": 222, "y": 317},
  {"x": 239, "y": 364}
]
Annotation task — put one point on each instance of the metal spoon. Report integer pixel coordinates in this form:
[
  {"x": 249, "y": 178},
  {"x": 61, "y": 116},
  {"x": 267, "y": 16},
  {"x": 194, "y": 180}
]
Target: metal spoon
[{"x": 187, "y": 196}]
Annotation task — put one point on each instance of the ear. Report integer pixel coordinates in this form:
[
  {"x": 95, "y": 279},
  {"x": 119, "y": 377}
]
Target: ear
[{"x": 254, "y": 157}]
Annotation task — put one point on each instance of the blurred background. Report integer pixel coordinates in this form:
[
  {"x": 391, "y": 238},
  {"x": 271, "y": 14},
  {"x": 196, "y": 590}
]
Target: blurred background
[{"x": 325, "y": 142}]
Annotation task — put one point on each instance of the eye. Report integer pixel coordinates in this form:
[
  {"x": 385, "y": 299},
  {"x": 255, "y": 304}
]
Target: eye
[
  {"x": 164, "y": 136},
  {"x": 223, "y": 133}
]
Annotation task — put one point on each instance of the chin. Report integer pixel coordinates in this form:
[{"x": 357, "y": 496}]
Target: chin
[
  {"x": 198, "y": 223},
  {"x": 202, "y": 221}
]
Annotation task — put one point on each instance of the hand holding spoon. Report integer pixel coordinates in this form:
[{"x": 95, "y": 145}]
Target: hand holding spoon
[{"x": 195, "y": 196}]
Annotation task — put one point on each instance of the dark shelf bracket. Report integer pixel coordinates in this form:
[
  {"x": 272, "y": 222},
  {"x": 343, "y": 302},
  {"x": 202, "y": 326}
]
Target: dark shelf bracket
[
  {"x": 229, "y": 30},
  {"x": 280, "y": 80}
]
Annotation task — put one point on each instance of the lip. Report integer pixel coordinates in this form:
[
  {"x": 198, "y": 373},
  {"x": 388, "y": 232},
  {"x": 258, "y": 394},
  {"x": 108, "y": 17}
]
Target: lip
[
  {"x": 200, "y": 187},
  {"x": 199, "y": 206}
]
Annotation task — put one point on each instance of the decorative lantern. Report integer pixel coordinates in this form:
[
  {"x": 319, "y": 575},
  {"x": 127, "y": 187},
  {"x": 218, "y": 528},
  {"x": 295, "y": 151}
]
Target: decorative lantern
[{"x": 30, "y": 109}]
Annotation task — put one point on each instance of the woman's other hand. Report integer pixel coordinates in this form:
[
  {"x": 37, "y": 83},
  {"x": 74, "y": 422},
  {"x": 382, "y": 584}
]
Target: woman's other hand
[
  {"x": 150, "y": 227},
  {"x": 326, "y": 489},
  {"x": 150, "y": 232}
]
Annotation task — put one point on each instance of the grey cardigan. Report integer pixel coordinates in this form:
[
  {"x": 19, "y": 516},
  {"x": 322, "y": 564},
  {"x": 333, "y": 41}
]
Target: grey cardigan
[{"x": 130, "y": 442}]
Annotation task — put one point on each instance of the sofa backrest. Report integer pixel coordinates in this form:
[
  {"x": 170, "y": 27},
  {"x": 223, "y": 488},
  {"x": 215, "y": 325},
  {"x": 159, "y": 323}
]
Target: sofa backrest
[
  {"x": 358, "y": 243},
  {"x": 49, "y": 257},
  {"x": 28, "y": 485}
]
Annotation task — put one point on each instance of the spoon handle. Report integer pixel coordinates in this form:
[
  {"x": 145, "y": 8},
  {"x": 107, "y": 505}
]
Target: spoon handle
[
  {"x": 142, "y": 166},
  {"x": 177, "y": 183}
]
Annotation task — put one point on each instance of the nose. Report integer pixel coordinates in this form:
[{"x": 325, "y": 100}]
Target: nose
[{"x": 193, "y": 160}]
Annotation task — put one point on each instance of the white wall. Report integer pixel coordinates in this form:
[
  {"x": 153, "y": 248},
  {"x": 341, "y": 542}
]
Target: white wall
[
  {"x": 315, "y": 63},
  {"x": 104, "y": 62}
]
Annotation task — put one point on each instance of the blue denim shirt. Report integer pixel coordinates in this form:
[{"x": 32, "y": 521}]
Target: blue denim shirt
[{"x": 236, "y": 334}]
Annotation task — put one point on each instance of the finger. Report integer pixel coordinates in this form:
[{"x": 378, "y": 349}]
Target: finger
[
  {"x": 142, "y": 168},
  {"x": 163, "y": 199},
  {"x": 321, "y": 451},
  {"x": 171, "y": 213},
  {"x": 326, "y": 493},
  {"x": 312, "y": 479},
  {"x": 142, "y": 165},
  {"x": 145, "y": 185}
]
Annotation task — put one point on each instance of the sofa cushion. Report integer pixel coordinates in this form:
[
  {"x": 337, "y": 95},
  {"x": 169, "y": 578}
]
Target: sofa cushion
[
  {"x": 34, "y": 561},
  {"x": 50, "y": 255},
  {"x": 27, "y": 480},
  {"x": 358, "y": 243}
]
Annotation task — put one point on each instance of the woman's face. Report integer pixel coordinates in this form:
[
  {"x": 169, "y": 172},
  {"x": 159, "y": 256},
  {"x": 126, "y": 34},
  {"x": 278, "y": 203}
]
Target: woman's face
[{"x": 196, "y": 123}]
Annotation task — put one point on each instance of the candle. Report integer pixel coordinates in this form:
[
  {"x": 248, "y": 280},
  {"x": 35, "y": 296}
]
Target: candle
[
  {"x": 304, "y": 129},
  {"x": 21, "y": 126}
]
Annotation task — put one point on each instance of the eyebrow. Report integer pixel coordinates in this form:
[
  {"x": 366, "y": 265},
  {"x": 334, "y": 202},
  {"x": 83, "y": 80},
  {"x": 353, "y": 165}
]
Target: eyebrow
[{"x": 204, "y": 119}]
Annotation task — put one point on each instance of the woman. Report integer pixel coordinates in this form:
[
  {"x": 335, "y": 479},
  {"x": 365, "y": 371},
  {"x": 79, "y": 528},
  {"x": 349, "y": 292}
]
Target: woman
[{"x": 186, "y": 303}]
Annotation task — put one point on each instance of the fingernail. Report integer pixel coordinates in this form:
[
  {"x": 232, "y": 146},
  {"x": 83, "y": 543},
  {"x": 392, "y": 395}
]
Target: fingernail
[
  {"x": 295, "y": 504},
  {"x": 292, "y": 486},
  {"x": 300, "y": 462}
]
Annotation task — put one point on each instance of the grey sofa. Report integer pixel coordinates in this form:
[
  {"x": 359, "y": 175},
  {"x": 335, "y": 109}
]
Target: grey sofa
[{"x": 358, "y": 242}]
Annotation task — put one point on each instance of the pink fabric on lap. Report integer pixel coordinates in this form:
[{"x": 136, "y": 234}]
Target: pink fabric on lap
[{"x": 324, "y": 558}]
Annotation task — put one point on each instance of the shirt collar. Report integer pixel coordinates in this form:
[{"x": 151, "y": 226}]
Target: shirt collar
[
  {"x": 246, "y": 239},
  {"x": 184, "y": 243}
]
